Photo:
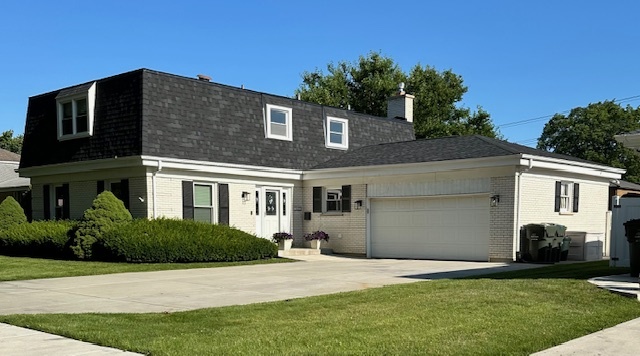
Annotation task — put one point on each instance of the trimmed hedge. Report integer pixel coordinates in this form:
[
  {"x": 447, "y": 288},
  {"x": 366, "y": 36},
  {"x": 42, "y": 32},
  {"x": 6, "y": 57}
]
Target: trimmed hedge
[
  {"x": 48, "y": 239},
  {"x": 106, "y": 212},
  {"x": 168, "y": 240},
  {"x": 11, "y": 213}
]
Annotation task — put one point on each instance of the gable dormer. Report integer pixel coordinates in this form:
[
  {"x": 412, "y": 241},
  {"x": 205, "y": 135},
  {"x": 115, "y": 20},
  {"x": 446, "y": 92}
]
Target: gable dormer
[{"x": 75, "y": 111}]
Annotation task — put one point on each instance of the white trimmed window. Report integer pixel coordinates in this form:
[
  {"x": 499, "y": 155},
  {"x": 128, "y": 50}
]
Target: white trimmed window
[
  {"x": 567, "y": 197},
  {"x": 279, "y": 122},
  {"x": 337, "y": 133},
  {"x": 75, "y": 114},
  {"x": 203, "y": 203}
]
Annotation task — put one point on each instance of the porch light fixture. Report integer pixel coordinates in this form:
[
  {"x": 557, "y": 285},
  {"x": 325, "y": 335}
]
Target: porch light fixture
[
  {"x": 245, "y": 196},
  {"x": 358, "y": 204},
  {"x": 495, "y": 199}
]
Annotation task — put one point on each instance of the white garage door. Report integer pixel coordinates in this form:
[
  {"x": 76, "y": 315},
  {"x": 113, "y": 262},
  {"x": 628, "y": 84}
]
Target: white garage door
[{"x": 444, "y": 228}]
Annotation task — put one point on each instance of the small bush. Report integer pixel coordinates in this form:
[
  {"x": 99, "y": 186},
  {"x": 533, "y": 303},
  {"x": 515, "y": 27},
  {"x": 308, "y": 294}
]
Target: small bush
[
  {"x": 11, "y": 213},
  {"x": 167, "y": 240},
  {"x": 48, "y": 239},
  {"x": 106, "y": 212}
]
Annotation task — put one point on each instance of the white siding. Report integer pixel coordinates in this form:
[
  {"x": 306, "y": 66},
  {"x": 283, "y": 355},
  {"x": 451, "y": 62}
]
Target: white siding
[{"x": 430, "y": 187}]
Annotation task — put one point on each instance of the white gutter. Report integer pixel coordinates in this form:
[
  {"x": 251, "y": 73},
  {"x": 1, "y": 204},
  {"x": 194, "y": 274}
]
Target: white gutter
[
  {"x": 558, "y": 161},
  {"x": 155, "y": 189}
]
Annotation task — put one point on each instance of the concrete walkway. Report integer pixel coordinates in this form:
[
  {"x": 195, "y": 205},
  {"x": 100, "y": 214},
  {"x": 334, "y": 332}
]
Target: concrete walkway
[{"x": 200, "y": 288}]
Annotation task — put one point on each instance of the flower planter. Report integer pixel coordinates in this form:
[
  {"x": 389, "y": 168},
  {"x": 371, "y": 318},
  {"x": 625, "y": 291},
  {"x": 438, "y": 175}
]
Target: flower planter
[
  {"x": 285, "y": 245},
  {"x": 315, "y": 244}
]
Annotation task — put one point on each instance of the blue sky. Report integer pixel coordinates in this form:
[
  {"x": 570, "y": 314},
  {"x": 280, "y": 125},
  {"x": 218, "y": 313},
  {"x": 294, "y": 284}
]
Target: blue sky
[{"x": 520, "y": 60}]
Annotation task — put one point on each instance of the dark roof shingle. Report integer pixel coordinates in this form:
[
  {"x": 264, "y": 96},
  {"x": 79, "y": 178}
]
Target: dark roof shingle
[{"x": 434, "y": 150}]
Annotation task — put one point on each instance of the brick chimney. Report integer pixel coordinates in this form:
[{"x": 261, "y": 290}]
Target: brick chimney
[{"x": 400, "y": 105}]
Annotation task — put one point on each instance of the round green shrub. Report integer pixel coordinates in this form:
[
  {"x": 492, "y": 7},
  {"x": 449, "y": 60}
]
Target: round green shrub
[
  {"x": 106, "y": 212},
  {"x": 170, "y": 240},
  {"x": 48, "y": 239},
  {"x": 11, "y": 213}
]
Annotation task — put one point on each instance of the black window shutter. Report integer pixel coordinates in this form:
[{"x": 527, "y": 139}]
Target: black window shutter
[
  {"x": 125, "y": 192},
  {"x": 558, "y": 187},
  {"x": 100, "y": 187},
  {"x": 187, "y": 199},
  {"x": 346, "y": 198},
  {"x": 317, "y": 199},
  {"x": 223, "y": 204},
  {"x": 576, "y": 196},
  {"x": 46, "y": 198},
  {"x": 66, "y": 209}
]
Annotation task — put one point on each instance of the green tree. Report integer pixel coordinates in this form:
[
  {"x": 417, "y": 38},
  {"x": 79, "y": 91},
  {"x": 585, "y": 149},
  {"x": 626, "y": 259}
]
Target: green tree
[
  {"x": 10, "y": 143},
  {"x": 365, "y": 86},
  {"x": 587, "y": 133}
]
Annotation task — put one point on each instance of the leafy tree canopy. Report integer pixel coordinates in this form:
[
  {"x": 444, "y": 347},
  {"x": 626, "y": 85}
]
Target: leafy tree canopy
[
  {"x": 10, "y": 143},
  {"x": 365, "y": 86},
  {"x": 587, "y": 133}
]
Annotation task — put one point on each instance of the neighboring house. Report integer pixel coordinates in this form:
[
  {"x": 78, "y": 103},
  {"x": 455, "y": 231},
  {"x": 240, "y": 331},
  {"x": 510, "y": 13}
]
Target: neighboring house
[
  {"x": 171, "y": 146},
  {"x": 10, "y": 183},
  {"x": 625, "y": 204}
]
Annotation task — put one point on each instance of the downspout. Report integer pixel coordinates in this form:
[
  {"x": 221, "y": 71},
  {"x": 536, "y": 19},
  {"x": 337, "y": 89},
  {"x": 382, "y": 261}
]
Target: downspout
[
  {"x": 516, "y": 242},
  {"x": 154, "y": 189}
]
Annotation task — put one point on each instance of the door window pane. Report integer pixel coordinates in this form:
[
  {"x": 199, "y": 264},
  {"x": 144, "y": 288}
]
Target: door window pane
[{"x": 271, "y": 203}]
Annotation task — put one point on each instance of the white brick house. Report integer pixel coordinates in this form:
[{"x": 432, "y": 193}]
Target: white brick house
[{"x": 176, "y": 147}]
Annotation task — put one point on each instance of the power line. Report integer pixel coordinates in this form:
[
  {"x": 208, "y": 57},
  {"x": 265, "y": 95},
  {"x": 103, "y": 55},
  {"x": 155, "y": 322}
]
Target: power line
[{"x": 540, "y": 118}]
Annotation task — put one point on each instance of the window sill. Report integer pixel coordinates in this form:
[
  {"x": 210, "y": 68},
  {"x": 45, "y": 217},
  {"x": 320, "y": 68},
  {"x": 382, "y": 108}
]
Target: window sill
[
  {"x": 332, "y": 213},
  {"x": 566, "y": 213},
  {"x": 337, "y": 147},
  {"x": 278, "y": 137},
  {"x": 74, "y": 136}
]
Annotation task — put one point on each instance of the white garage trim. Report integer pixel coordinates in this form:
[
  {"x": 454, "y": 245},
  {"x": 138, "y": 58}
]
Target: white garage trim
[{"x": 447, "y": 227}]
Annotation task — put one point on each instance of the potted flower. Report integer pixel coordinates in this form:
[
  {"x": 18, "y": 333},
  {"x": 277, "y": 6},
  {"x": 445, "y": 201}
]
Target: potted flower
[
  {"x": 283, "y": 239},
  {"x": 316, "y": 238}
]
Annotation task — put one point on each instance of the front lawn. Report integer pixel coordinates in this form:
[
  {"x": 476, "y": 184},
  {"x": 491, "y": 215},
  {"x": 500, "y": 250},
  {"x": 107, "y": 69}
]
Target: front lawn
[
  {"x": 20, "y": 268},
  {"x": 514, "y": 314}
]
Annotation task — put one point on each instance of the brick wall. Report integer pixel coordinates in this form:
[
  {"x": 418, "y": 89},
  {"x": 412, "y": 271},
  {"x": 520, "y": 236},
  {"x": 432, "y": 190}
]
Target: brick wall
[
  {"x": 347, "y": 231},
  {"x": 168, "y": 197},
  {"x": 538, "y": 199},
  {"x": 501, "y": 219},
  {"x": 242, "y": 213}
]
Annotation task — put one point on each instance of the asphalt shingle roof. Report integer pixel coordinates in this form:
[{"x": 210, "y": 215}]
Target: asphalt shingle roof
[
  {"x": 9, "y": 156},
  {"x": 434, "y": 150}
]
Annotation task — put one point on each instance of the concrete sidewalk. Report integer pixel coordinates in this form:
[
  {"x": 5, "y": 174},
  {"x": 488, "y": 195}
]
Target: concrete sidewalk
[
  {"x": 25, "y": 342},
  {"x": 619, "y": 340}
]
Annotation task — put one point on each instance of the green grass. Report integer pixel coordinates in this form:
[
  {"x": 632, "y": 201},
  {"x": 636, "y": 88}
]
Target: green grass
[
  {"x": 20, "y": 268},
  {"x": 513, "y": 313}
]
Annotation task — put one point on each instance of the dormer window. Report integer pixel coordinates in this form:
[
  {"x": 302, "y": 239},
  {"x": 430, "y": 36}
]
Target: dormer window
[
  {"x": 337, "y": 133},
  {"x": 76, "y": 111},
  {"x": 279, "y": 122}
]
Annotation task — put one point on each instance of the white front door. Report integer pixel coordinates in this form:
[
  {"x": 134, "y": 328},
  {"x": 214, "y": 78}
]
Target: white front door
[{"x": 272, "y": 211}]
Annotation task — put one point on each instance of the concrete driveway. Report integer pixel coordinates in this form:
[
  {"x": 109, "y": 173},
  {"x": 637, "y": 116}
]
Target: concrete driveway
[{"x": 214, "y": 287}]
